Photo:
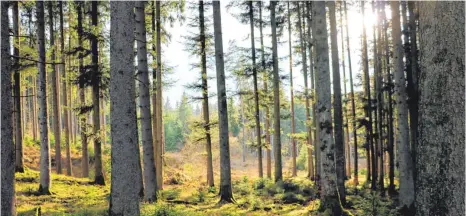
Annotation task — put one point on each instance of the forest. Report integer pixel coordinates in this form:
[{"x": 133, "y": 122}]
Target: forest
[{"x": 233, "y": 107}]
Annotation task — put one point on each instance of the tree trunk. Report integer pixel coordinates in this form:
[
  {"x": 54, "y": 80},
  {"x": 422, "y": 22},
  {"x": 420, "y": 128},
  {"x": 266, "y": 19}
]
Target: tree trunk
[
  {"x": 150, "y": 180},
  {"x": 266, "y": 93},
  {"x": 306, "y": 94},
  {"x": 126, "y": 168},
  {"x": 337, "y": 107},
  {"x": 65, "y": 94},
  {"x": 402, "y": 140},
  {"x": 19, "y": 167},
  {"x": 7, "y": 145},
  {"x": 55, "y": 98},
  {"x": 276, "y": 95},
  {"x": 256, "y": 91},
  {"x": 226, "y": 194},
  {"x": 82, "y": 96},
  {"x": 158, "y": 102},
  {"x": 345, "y": 107},
  {"x": 329, "y": 192},
  {"x": 34, "y": 87},
  {"x": 293, "y": 124},
  {"x": 205, "y": 97},
  {"x": 367, "y": 97},
  {"x": 440, "y": 147},
  {"x": 380, "y": 102},
  {"x": 45, "y": 180},
  {"x": 96, "y": 75}
]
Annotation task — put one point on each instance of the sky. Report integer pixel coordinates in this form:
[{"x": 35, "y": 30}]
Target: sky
[{"x": 232, "y": 29}]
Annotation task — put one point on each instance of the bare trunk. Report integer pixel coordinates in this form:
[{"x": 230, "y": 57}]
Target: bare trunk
[
  {"x": 45, "y": 180},
  {"x": 19, "y": 167},
  {"x": 158, "y": 103},
  {"x": 7, "y": 145},
  {"x": 402, "y": 140},
  {"x": 440, "y": 147},
  {"x": 293, "y": 124},
  {"x": 337, "y": 106},
  {"x": 276, "y": 95},
  {"x": 226, "y": 194},
  {"x": 329, "y": 192},
  {"x": 150, "y": 180},
  {"x": 126, "y": 168}
]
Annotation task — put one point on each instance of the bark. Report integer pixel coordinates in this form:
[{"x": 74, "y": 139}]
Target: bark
[
  {"x": 329, "y": 192},
  {"x": 337, "y": 107},
  {"x": 276, "y": 95},
  {"x": 65, "y": 94},
  {"x": 150, "y": 189},
  {"x": 55, "y": 98},
  {"x": 375, "y": 133},
  {"x": 33, "y": 83},
  {"x": 205, "y": 96},
  {"x": 266, "y": 92},
  {"x": 293, "y": 124},
  {"x": 45, "y": 180},
  {"x": 367, "y": 97},
  {"x": 226, "y": 194},
  {"x": 402, "y": 140},
  {"x": 380, "y": 103},
  {"x": 256, "y": 91},
  {"x": 7, "y": 145},
  {"x": 306, "y": 94},
  {"x": 158, "y": 103},
  {"x": 441, "y": 142},
  {"x": 345, "y": 107},
  {"x": 19, "y": 167},
  {"x": 82, "y": 96},
  {"x": 126, "y": 168},
  {"x": 95, "y": 79}
]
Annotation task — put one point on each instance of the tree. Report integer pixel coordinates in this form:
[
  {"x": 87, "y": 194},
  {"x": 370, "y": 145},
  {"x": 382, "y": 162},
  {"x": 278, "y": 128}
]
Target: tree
[
  {"x": 45, "y": 180},
  {"x": 329, "y": 192},
  {"x": 17, "y": 91},
  {"x": 306, "y": 94},
  {"x": 337, "y": 106},
  {"x": 82, "y": 96},
  {"x": 402, "y": 140},
  {"x": 293, "y": 124},
  {"x": 440, "y": 147},
  {"x": 126, "y": 168},
  {"x": 55, "y": 98},
  {"x": 150, "y": 180},
  {"x": 276, "y": 95},
  {"x": 7, "y": 145},
  {"x": 158, "y": 102},
  {"x": 226, "y": 194},
  {"x": 66, "y": 116}
]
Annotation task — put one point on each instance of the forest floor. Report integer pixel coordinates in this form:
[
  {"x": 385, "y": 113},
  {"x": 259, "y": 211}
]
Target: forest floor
[{"x": 185, "y": 191}]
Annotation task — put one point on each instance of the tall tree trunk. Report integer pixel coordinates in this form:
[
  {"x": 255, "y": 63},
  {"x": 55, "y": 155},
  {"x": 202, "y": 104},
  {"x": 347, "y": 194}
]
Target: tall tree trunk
[
  {"x": 256, "y": 91},
  {"x": 390, "y": 144},
  {"x": 380, "y": 102},
  {"x": 375, "y": 136},
  {"x": 337, "y": 106},
  {"x": 306, "y": 94},
  {"x": 82, "y": 96},
  {"x": 126, "y": 168},
  {"x": 345, "y": 107},
  {"x": 65, "y": 94},
  {"x": 19, "y": 167},
  {"x": 45, "y": 180},
  {"x": 205, "y": 97},
  {"x": 158, "y": 103},
  {"x": 7, "y": 145},
  {"x": 150, "y": 180},
  {"x": 367, "y": 97},
  {"x": 96, "y": 75},
  {"x": 33, "y": 83},
  {"x": 55, "y": 98},
  {"x": 311, "y": 48},
  {"x": 276, "y": 95},
  {"x": 226, "y": 194},
  {"x": 329, "y": 192},
  {"x": 440, "y": 147},
  {"x": 293, "y": 124},
  {"x": 266, "y": 93},
  {"x": 402, "y": 140}
]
